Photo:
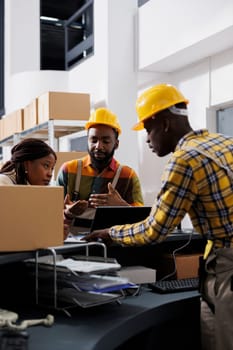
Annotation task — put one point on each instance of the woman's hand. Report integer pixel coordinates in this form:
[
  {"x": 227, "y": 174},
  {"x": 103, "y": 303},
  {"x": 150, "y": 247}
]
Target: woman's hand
[
  {"x": 66, "y": 229},
  {"x": 70, "y": 211}
]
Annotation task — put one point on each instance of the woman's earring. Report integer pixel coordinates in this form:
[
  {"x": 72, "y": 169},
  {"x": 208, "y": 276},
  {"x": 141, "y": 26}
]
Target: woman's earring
[{"x": 26, "y": 171}]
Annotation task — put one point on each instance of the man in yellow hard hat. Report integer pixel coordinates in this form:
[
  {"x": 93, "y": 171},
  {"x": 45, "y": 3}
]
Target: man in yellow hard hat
[
  {"x": 98, "y": 177},
  {"x": 198, "y": 181}
]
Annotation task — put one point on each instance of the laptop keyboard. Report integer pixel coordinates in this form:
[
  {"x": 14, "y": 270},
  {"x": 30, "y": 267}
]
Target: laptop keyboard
[{"x": 175, "y": 286}]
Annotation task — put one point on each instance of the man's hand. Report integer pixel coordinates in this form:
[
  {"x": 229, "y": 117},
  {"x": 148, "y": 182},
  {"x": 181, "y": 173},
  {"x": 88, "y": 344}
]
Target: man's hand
[
  {"x": 66, "y": 228},
  {"x": 66, "y": 218},
  {"x": 98, "y": 235},
  {"x": 112, "y": 198}
]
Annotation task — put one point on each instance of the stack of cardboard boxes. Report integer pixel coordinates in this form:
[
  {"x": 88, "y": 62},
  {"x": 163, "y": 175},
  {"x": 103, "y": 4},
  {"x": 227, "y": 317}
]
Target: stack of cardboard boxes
[
  {"x": 32, "y": 216},
  {"x": 48, "y": 106},
  {"x": 12, "y": 123}
]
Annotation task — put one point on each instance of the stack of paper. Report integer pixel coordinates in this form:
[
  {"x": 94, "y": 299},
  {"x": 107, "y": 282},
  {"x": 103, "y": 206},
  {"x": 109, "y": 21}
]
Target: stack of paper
[
  {"x": 80, "y": 282},
  {"x": 86, "y": 266},
  {"x": 102, "y": 283}
]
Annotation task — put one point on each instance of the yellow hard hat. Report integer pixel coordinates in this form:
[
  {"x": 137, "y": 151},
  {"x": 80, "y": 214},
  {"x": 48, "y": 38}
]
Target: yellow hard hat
[
  {"x": 103, "y": 116},
  {"x": 156, "y": 99}
]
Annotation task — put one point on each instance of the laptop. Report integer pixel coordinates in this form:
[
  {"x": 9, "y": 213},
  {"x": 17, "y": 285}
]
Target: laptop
[{"x": 107, "y": 216}]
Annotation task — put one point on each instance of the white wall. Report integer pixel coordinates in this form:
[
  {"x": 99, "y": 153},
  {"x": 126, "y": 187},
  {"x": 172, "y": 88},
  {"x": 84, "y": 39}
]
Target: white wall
[
  {"x": 180, "y": 32},
  {"x": 111, "y": 75},
  {"x": 187, "y": 43},
  {"x": 24, "y": 57},
  {"x": 23, "y": 79}
]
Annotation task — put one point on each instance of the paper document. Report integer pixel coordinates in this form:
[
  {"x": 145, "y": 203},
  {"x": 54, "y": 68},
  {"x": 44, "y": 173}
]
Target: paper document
[
  {"x": 84, "y": 266},
  {"x": 102, "y": 283},
  {"x": 87, "y": 266},
  {"x": 75, "y": 239}
]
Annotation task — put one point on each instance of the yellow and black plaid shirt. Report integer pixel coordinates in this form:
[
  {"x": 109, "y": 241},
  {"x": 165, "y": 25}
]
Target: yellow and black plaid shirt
[{"x": 194, "y": 183}]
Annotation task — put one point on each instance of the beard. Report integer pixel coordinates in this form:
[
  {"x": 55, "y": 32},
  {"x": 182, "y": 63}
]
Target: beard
[{"x": 101, "y": 163}]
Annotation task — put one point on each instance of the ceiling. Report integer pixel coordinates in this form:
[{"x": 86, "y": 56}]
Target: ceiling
[{"x": 52, "y": 34}]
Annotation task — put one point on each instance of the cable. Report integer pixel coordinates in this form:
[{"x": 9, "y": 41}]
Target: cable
[
  {"x": 174, "y": 257},
  {"x": 48, "y": 321},
  {"x": 8, "y": 320}
]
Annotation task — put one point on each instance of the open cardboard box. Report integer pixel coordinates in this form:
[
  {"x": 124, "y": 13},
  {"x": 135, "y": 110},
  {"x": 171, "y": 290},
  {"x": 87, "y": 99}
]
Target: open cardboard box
[{"x": 31, "y": 217}]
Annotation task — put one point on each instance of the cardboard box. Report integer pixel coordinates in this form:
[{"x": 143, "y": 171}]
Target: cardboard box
[
  {"x": 63, "y": 106},
  {"x": 63, "y": 157},
  {"x": 31, "y": 114},
  {"x": 187, "y": 265},
  {"x": 12, "y": 123},
  {"x": 31, "y": 217}
]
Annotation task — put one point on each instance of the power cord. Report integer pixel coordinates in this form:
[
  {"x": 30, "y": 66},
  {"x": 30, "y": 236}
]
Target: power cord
[
  {"x": 174, "y": 257},
  {"x": 8, "y": 319},
  {"x": 14, "y": 336}
]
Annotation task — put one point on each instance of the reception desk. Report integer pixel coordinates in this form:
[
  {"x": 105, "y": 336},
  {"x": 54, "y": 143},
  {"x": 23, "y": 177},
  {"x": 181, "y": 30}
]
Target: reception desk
[{"x": 147, "y": 321}]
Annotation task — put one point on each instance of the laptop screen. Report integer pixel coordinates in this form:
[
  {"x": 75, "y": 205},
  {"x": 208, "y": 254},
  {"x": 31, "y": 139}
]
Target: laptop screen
[{"x": 107, "y": 216}]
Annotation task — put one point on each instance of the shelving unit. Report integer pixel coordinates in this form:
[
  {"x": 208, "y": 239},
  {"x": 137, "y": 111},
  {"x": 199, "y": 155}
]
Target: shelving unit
[{"x": 51, "y": 130}]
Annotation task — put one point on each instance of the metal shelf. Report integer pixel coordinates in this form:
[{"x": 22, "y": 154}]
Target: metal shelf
[{"x": 50, "y": 130}]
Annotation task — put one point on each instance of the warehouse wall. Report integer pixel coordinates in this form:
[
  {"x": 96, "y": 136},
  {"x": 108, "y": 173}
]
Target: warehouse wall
[{"x": 189, "y": 44}]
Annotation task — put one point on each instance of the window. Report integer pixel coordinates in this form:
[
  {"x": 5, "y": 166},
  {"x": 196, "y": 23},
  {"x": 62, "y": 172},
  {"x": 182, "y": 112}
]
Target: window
[
  {"x": 79, "y": 144},
  {"x": 66, "y": 33},
  {"x": 224, "y": 119},
  {"x": 141, "y": 2}
]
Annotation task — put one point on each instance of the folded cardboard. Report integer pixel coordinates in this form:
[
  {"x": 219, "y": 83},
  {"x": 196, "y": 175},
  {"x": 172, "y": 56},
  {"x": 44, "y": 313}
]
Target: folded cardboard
[
  {"x": 63, "y": 157},
  {"x": 63, "y": 106},
  {"x": 31, "y": 217}
]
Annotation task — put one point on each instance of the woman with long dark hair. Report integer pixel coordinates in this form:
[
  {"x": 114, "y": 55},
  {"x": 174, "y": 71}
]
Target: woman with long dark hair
[{"x": 32, "y": 163}]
